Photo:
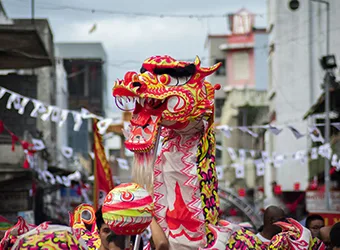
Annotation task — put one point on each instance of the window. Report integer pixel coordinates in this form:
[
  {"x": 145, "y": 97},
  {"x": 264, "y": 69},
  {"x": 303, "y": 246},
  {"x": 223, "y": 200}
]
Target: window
[
  {"x": 222, "y": 70},
  {"x": 75, "y": 78},
  {"x": 241, "y": 65},
  {"x": 95, "y": 80},
  {"x": 218, "y": 107}
]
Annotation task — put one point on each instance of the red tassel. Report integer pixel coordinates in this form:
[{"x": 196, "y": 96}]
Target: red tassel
[
  {"x": 34, "y": 188},
  {"x": 26, "y": 164},
  {"x": 14, "y": 140},
  {"x": 79, "y": 190},
  {"x": 277, "y": 190},
  {"x": 242, "y": 192},
  {"x": 25, "y": 145},
  {"x": 2, "y": 128},
  {"x": 332, "y": 170}
]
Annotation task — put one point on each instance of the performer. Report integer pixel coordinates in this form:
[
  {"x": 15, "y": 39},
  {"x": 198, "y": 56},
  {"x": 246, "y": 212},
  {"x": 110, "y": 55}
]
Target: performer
[{"x": 173, "y": 96}]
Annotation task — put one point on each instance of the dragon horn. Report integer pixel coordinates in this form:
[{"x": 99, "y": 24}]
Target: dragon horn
[
  {"x": 209, "y": 70},
  {"x": 197, "y": 62}
]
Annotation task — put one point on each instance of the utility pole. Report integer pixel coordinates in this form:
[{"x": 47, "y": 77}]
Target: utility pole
[
  {"x": 32, "y": 11},
  {"x": 327, "y": 111}
]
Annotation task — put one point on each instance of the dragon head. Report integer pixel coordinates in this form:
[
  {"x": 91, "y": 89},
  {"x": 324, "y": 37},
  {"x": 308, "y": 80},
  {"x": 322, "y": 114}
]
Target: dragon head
[{"x": 165, "y": 93}]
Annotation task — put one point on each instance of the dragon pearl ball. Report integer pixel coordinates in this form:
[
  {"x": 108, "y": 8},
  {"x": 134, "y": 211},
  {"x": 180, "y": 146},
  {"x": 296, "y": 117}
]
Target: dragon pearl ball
[{"x": 128, "y": 209}]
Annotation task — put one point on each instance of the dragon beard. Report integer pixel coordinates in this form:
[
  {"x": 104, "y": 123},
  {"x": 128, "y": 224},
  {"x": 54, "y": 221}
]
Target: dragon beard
[
  {"x": 142, "y": 138},
  {"x": 142, "y": 171}
]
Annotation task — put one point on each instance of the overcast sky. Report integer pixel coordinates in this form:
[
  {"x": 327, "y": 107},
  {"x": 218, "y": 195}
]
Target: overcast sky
[{"x": 129, "y": 39}]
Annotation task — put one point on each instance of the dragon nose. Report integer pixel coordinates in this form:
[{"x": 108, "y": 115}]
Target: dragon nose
[{"x": 136, "y": 84}]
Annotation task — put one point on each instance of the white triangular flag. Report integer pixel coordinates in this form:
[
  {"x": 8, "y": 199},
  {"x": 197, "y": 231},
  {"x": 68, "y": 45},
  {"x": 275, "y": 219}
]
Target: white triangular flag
[
  {"x": 316, "y": 135},
  {"x": 63, "y": 117},
  {"x": 301, "y": 156},
  {"x": 225, "y": 129},
  {"x": 38, "y": 108},
  {"x": 103, "y": 125},
  {"x": 59, "y": 180},
  {"x": 43, "y": 176},
  {"x": 38, "y": 144},
  {"x": 85, "y": 114},
  {"x": 2, "y": 92},
  {"x": 246, "y": 130},
  {"x": 219, "y": 147},
  {"x": 13, "y": 99},
  {"x": 24, "y": 102},
  {"x": 336, "y": 125},
  {"x": 123, "y": 163},
  {"x": 66, "y": 181},
  {"x": 274, "y": 130},
  {"x": 335, "y": 161},
  {"x": 239, "y": 171},
  {"x": 49, "y": 176},
  {"x": 91, "y": 155},
  {"x": 242, "y": 154},
  {"x": 314, "y": 154},
  {"x": 67, "y": 152},
  {"x": 232, "y": 154},
  {"x": 260, "y": 167},
  {"x": 325, "y": 151},
  {"x": 295, "y": 132},
  {"x": 265, "y": 157},
  {"x": 47, "y": 115},
  {"x": 219, "y": 172},
  {"x": 77, "y": 120},
  {"x": 252, "y": 153},
  {"x": 76, "y": 176},
  {"x": 55, "y": 116},
  {"x": 278, "y": 160}
]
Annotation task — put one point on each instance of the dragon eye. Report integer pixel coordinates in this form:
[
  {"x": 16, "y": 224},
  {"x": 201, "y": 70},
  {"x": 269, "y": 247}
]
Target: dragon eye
[
  {"x": 178, "y": 81},
  {"x": 164, "y": 79}
]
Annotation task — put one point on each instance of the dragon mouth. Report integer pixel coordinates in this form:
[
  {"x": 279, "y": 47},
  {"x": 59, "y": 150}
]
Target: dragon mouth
[{"x": 146, "y": 119}]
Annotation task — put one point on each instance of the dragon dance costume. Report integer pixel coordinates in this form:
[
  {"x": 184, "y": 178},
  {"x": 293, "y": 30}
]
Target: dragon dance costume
[{"x": 172, "y": 99}]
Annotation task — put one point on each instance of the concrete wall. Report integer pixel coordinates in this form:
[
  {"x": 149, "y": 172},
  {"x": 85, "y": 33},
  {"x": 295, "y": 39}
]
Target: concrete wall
[
  {"x": 260, "y": 57},
  {"x": 298, "y": 39}
]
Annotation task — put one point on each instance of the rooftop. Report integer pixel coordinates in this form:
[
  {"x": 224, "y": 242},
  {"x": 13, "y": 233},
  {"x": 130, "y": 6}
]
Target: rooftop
[
  {"x": 81, "y": 50},
  {"x": 22, "y": 44}
]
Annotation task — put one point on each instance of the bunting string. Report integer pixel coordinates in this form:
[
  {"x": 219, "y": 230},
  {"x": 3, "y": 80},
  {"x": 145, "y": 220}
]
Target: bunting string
[
  {"x": 53, "y": 113},
  {"x": 313, "y": 130},
  {"x": 59, "y": 116},
  {"x": 262, "y": 159}
]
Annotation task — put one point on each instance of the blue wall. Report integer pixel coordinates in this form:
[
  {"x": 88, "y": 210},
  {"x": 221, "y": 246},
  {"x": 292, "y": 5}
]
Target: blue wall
[{"x": 261, "y": 63}]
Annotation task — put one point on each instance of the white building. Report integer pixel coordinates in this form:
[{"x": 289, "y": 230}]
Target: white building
[{"x": 296, "y": 41}]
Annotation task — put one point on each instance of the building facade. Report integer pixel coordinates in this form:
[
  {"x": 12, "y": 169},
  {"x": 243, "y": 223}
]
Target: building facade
[
  {"x": 86, "y": 68},
  {"x": 243, "y": 75},
  {"x": 297, "y": 40},
  {"x": 33, "y": 77}
]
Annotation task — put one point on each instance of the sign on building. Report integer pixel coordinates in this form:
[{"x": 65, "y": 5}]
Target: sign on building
[{"x": 315, "y": 201}]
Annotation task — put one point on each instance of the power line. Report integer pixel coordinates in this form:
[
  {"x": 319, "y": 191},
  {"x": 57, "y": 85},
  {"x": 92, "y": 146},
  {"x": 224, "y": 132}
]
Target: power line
[{"x": 58, "y": 7}]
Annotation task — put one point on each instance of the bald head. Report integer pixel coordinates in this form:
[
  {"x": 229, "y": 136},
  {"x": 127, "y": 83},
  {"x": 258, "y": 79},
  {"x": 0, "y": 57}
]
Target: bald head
[
  {"x": 273, "y": 214},
  {"x": 325, "y": 235}
]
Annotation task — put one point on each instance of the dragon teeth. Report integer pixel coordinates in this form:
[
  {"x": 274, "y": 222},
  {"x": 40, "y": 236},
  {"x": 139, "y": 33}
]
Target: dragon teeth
[{"x": 142, "y": 102}]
